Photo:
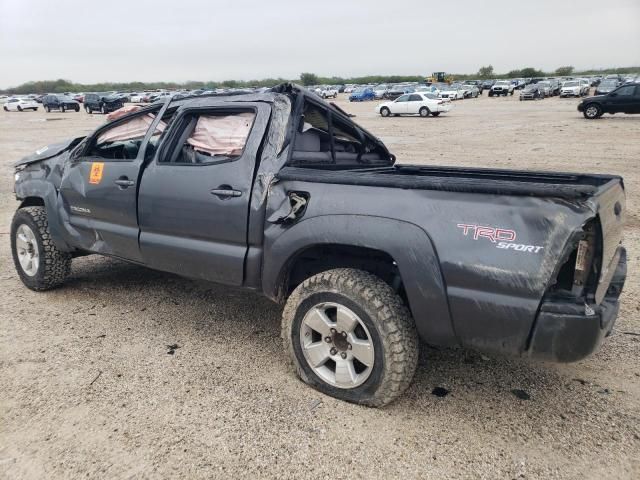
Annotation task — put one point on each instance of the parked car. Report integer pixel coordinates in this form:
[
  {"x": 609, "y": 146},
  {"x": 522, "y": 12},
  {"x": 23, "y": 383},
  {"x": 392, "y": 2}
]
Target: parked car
[
  {"x": 452, "y": 92},
  {"x": 138, "y": 97},
  {"x": 362, "y": 94},
  {"x": 487, "y": 84},
  {"x": 423, "y": 104},
  {"x": 79, "y": 97},
  {"x": 532, "y": 92},
  {"x": 555, "y": 86},
  {"x": 501, "y": 87},
  {"x": 20, "y": 105},
  {"x": 606, "y": 86},
  {"x": 154, "y": 97},
  {"x": 368, "y": 258},
  {"x": 101, "y": 102},
  {"x": 397, "y": 90},
  {"x": 545, "y": 88},
  {"x": 380, "y": 91},
  {"x": 60, "y": 102},
  {"x": 478, "y": 83},
  {"x": 572, "y": 88},
  {"x": 624, "y": 99},
  {"x": 329, "y": 92},
  {"x": 471, "y": 91}
]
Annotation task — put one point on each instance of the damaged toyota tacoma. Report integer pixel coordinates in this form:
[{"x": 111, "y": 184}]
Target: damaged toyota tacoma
[{"x": 281, "y": 193}]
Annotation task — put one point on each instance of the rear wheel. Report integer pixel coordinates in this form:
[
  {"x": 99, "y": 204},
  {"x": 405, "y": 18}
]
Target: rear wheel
[
  {"x": 39, "y": 263},
  {"x": 5, "y": 108},
  {"x": 424, "y": 112},
  {"x": 349, "y": 335},
  {"x": 592, "y": 111},
  {"x": 19, "y": 108},
  {"x": 385, "y": 112}
]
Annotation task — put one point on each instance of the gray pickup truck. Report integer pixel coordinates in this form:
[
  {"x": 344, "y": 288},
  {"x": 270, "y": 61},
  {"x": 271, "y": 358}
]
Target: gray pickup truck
[{"x": 282, "y": 193}]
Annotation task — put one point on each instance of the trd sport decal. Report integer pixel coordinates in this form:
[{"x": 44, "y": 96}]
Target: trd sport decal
[{"x": 503, "y": 238}]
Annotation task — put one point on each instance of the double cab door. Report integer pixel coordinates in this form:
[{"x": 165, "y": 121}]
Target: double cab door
[{"x": 175, "y": 198}]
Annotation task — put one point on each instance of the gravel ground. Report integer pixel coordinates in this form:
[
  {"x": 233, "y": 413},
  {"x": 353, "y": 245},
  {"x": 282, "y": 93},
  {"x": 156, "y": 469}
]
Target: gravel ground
[{"x": 94, "y": 385}]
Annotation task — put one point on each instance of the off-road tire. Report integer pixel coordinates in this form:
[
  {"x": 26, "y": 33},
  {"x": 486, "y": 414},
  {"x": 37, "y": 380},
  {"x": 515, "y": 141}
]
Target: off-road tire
[
  {"x": 388, "y": 321},
  {"x": 54, "y": 265},
  {"x": 385, "y": 112},
  {"x": 424, "y": 112}
]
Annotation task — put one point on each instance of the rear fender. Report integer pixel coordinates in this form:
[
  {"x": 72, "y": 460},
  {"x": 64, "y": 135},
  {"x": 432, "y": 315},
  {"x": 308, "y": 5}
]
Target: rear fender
[{"x": 409, "y": 246}]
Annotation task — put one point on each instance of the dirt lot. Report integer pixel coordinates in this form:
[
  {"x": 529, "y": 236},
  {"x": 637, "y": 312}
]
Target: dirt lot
[{"x": 90, "y": 390}]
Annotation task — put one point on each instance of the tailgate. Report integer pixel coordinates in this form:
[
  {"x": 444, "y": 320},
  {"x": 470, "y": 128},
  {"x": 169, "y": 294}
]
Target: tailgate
[{"x": 611, "y": 211}]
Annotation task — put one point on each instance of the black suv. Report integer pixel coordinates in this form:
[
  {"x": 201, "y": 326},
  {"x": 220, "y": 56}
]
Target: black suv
[
  {"x": 59, "y": 102},
  {"x": 624, "y": 99},
  {"x": 101, "y": 102}
]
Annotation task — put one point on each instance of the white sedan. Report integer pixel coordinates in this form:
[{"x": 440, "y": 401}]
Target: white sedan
[
  {"x": 418, "y": 103},
  {"x": 20, "y": 105}
]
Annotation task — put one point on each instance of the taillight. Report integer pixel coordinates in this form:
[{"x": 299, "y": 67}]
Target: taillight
[{"x": 584, "y": 258}]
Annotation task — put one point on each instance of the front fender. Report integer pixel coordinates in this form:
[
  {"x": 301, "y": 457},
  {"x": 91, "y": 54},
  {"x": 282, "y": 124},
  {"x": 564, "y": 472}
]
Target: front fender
[
  {"x": 408, "y": 244},
  {"x": 45, "y": 190}
]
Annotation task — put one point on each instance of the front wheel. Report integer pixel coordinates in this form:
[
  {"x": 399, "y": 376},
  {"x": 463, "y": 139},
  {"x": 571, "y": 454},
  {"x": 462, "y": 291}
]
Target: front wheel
[
  {"x": 435, "y": 114},
  {"x": 424, "y": 112},
  {"x": 349, "y": 335},
  {"x": 40, "y": 265},
  {"x": 385, "y": 112},
  {"x": 87, "y": 109},
  {"x": 19, "y": 108},
  {"x": 592, "y": 111},
  {"x": 63, "y": 108}
]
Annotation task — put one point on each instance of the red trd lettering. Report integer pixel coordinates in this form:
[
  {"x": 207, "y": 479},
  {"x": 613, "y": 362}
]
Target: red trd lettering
[
  {"x": 505, "y": 235},
  {"x": 465, "y": 228},
  {"x": 486, "y": 232}
]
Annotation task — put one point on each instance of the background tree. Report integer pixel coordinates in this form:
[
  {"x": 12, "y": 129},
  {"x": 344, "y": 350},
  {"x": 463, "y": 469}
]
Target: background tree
[
  {"x": 308, "y": 79},
  {"x": 486, "y": 72},
  {"x": 564, "y": 71}
]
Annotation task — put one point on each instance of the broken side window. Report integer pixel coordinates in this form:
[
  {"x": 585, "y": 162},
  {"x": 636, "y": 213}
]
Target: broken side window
[
  {"x": 212, "y": 137},
  {"x": 326, "y": 138},
  {"x": 123, "y": 141}
]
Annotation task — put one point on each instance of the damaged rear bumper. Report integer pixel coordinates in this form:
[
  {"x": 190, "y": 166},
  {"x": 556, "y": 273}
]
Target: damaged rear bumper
[{"x": 566, "y": 331}]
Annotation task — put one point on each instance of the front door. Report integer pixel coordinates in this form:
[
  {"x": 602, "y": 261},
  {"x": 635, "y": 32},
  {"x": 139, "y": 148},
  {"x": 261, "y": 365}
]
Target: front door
[
  {"x": 622, "y": 99},
  {"x": 400, "y": 106},
  {"x": 99, "y": 187},
  {"x": 194, "y": 197}
]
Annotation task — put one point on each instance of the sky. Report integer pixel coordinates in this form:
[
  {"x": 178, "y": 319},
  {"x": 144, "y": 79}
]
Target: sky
[{"x": 89, "y": 41}]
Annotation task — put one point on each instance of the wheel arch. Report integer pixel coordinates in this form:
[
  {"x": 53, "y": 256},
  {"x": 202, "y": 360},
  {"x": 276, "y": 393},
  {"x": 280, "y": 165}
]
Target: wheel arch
[
  {"x": 38, "y": 192},
  {"x": 399, "y": 252}
]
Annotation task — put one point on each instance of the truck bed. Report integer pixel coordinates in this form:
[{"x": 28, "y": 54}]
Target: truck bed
[{"x": 469, "y": 180}]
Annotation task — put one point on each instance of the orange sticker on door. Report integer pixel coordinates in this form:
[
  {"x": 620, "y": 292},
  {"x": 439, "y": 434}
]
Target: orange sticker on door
[{"x": 95, "y": 175}]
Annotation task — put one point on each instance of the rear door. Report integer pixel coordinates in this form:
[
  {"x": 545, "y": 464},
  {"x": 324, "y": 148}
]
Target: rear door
[
  {"x": 99, "y": 187},
  {"x": 194, "y": 197},
  {"x": 414, "y": 103}
]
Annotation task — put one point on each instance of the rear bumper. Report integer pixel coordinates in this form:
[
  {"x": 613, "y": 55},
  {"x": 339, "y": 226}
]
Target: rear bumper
[{"x": 568, "y": 332}]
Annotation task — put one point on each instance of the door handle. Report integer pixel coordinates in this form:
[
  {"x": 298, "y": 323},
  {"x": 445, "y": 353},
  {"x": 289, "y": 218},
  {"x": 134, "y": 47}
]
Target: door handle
[
  {"x": 124, "y": 182},
  {"x": 225, "y": 191}
]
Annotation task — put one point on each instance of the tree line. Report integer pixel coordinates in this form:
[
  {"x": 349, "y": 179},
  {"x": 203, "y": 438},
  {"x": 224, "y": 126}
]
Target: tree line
[{"x": 306, "y": 78}]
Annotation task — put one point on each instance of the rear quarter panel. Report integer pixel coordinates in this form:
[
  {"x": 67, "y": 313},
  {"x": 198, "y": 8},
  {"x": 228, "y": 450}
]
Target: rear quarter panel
[{"x": 465, "y": 288}]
